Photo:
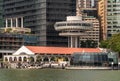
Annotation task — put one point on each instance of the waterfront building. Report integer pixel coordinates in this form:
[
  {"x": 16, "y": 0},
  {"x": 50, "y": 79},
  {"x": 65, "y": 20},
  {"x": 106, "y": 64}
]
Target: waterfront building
[
  {"x": 73, "y": 28},
  {"x": 94, "y": 33},
  {"x": 100, "y": 59},
  {"x": 45, "y": 54},
  {"x": 40, "y": 16}
]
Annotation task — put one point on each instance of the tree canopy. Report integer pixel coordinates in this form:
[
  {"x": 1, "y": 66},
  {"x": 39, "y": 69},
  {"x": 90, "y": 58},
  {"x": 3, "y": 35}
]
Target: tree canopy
[{"x": 113, "y": 43}]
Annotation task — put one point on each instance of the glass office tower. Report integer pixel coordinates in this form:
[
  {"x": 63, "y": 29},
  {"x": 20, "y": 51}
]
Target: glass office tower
[
  {"x": 1, "y": 14},
  {"x": 40, "y": 16}
]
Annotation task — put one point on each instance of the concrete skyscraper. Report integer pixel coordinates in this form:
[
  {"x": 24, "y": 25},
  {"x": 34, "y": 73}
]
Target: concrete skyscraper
[
  {"x": 109, "y": 14},
  {"x": 113, "y": 17},
  {"x": 102, "y": 13},
  {"x": 40, "y": 16}
]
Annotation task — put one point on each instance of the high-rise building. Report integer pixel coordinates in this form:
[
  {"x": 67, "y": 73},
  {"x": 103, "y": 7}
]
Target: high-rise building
[
  {"x": 92, "y": 34},
  {"x": 95, "y": 3},
  {"x": 87, "y": 7},
  {"x": 102, "y": 13},
  {"x": 1, "y": 14},
  {"x": 81, "y": 5},
  {"x": 40, "y": 16},
  {"x": 109, "y": 14},
  {"x": 84, "y": 3},
  {"x": 113, "y": 17}
]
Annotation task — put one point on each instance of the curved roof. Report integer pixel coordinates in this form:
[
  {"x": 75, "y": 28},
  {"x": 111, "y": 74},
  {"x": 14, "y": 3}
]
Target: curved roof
[{"x": 60, "y": 50}]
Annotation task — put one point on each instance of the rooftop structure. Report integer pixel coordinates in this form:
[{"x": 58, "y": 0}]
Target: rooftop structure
[
  {"x": 13, "y": 37},
  {"x": 14, "y": 25},
  {"x": 73, "y": 28}
]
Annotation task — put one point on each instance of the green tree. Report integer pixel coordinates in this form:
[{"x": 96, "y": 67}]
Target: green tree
[
  {"x": 104, "y": 44},
  {"x": 114, "y": 43}
]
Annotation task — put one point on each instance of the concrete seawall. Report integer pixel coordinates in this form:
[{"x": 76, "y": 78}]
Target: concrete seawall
[{"x": 91, "y": 68}]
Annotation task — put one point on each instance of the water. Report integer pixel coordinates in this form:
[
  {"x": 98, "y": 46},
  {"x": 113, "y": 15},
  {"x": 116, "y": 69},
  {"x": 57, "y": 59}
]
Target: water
[{"x": 58, "y": 75}]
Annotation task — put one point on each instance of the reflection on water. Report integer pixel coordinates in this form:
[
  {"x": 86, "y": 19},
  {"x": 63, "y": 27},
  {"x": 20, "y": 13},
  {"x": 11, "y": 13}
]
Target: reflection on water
[{"x": 58, "y": 75}]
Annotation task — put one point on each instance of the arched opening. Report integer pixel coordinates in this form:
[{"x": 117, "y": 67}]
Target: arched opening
[
  {"x": 10, "y": 59},
  {"x": 38, "y": 59},
  {"x": 53, "y": 59},
  {"x": 15, "y": 59},
  {"x": 20, "y": 59},
  {"x": 6, "y": 59},
  {"x": 46, "y": 59},
  {"x": 65, "y": 59},
  {"x": 25, "y": 59},
  {"x": 59, "y": 59},
  {"x": 31, "y": 59}
]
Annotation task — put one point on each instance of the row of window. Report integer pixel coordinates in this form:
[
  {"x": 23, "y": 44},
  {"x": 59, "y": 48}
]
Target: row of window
[{"x": 74, "y": 24}]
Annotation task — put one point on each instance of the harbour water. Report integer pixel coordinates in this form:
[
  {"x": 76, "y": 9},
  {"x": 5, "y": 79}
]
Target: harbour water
[{"x": 58, "y": 75}]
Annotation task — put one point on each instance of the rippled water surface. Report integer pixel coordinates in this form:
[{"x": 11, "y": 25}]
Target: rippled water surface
[{"x": 58, "y": 75}]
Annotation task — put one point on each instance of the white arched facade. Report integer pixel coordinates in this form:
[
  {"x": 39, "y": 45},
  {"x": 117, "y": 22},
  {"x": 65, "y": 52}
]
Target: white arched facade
[{"x": 25, "y": 55}]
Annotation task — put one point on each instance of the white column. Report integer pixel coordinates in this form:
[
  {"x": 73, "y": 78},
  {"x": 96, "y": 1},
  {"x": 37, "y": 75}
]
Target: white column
[
  {"x": 8, "y": 59},
  {"x": 11, "y": 23},
  {"x": 6, "y": 23},
  {"x": 17, "y": 58},
  {"x": 21, "y": 22},
  {"x": 76, "y": 42},
  {"x": 35, "y": 59},
  {"x": 16, "y": 22},
  {"x": 49, "y": 59},
  {"x": 22, "y": 58}
]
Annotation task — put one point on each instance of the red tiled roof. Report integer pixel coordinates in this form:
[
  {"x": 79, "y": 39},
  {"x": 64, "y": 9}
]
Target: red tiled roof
[{"x": 60, "y": 50}]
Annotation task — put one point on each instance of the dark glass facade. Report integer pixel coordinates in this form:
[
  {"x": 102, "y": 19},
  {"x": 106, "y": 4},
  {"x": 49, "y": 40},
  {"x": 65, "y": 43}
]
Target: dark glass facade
[
  {"x": 40, "y": 16},
  {"x": 9, "y": 42},
  {"x": 14, "y": 41},
  {"x": 1, "y": 14},
  {"x": 92, "y": 59}
]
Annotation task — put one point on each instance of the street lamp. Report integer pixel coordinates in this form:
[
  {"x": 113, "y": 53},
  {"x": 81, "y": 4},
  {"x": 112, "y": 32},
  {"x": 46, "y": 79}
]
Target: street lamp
[
  {"x": 118, "y": 65},
  {"x": 112, "y": 65}
]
